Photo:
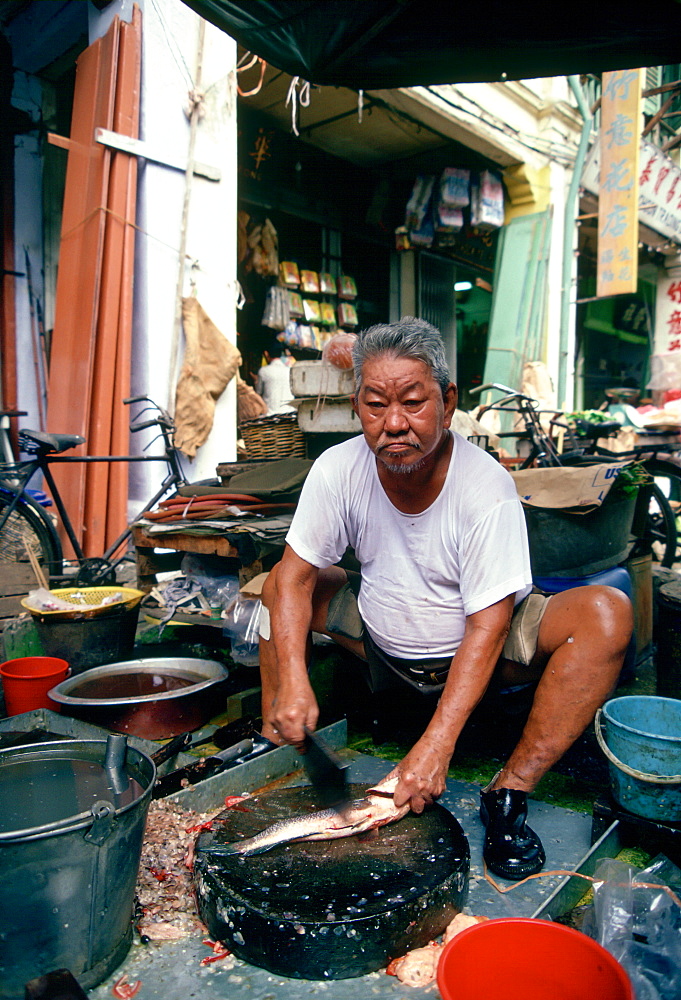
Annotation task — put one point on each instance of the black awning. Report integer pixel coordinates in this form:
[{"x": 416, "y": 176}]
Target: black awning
[{"x": 384, "y": 44}]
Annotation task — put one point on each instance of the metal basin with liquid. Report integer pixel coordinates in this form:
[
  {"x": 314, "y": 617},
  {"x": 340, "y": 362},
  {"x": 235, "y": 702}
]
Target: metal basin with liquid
[
  {"x": 72, "y": 816},
  {"x": 153, "y": 698}
]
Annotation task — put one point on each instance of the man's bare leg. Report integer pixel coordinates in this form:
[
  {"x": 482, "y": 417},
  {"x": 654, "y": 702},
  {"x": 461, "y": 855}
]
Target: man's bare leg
[
  {"x": 329, "y": 582},
  {"x": 583, "y": 638},
  {"x": 582, "y": 641}
]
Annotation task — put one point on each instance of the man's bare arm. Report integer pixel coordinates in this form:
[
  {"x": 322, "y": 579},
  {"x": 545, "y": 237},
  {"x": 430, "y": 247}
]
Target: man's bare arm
[
  {"x": 295, "y": 705},
  {"x": 423, "y": 771}
]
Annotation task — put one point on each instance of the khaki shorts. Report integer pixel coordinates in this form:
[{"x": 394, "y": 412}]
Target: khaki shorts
[{"x": 343, "y": 618}]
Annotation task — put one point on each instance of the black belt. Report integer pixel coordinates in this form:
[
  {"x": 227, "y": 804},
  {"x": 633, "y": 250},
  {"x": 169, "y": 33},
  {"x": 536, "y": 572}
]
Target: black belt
[{"x": 425, "y": 675}]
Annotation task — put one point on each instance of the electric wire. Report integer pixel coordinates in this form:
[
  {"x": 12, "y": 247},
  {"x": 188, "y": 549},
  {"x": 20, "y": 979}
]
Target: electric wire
[{"x": 545, "y": 148}]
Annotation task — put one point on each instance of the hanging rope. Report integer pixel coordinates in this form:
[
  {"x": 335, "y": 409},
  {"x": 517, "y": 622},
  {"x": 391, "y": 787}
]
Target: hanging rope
[
  {"x": 295, "y": 98},
  {"x": 196, "y": 111},
  {"x": 242, "y": 66}
]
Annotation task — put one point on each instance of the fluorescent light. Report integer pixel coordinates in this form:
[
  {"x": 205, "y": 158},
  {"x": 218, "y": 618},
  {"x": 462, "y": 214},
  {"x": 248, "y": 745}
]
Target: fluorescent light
[{"x": 462, "y": 286}]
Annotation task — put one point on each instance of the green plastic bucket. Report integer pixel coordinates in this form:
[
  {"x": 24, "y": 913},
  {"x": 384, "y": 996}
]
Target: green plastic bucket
[{"x": 642, "y": 743}]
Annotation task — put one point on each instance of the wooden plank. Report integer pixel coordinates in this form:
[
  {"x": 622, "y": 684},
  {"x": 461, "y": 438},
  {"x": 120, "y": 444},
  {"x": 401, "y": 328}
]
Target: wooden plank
[
  {"x": 8, "y": 346},
  {"x": 117, "y": 510},
  {"x": 80, "y": 257},
  {"x": 10, "y": 607},
  {"x": 105, "y": 501},
  {"x": 209, "y": 545}
]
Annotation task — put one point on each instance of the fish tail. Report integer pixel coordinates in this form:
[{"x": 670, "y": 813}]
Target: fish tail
[{"x": 221, "y": 849}]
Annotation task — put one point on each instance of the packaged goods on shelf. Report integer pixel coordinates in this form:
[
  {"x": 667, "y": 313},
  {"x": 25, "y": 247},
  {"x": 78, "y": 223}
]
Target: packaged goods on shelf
[
  {"x": 419, "y": 202},
  {"x": 448, "y": 219},
  {"x": 347, "y": 288},
  {"x": 328, "y": 314},
  {"x": 289, "y": 274},
  {"x": 295, "y": 304},
  {"x": 327, "y": 285},
  {"x": 347, "y": 314},
  {"x": 276, "y": 313},
  {"x": 424, "y": 236},
  {"x": 311, "y": 311},
  {"x": 487, "y": 201},
  {"x": 454, "y": 187},
  {"x": 309, "y": 282}
]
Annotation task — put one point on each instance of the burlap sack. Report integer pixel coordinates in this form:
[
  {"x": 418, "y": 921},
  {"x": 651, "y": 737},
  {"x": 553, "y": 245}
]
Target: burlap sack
[
  {"x": 249, "y": 404},
  {"x": 210, "y": 362}
]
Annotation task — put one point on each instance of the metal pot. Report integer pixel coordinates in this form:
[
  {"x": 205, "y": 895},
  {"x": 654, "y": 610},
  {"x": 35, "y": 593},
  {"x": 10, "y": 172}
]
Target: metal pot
[
  {"x": 72, "y": 815},
  {"x": 152, "y": 698}
]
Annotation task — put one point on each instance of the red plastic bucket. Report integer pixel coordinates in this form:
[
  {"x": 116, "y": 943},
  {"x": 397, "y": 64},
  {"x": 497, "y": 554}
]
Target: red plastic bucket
[
  {"x": 26, "y": 681},
  {"x": 524, "y": 959}
]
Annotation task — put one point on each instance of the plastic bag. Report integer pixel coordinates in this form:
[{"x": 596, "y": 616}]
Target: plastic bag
[
  {"x": 241, "y": 623},
  {"x": 208, "y": 572},
  {"x": 487, "y": 201},
  {"x": 637, "y": 917},
  {"x": 276, "y": 313},
  {"x": 338, "y": 350}
]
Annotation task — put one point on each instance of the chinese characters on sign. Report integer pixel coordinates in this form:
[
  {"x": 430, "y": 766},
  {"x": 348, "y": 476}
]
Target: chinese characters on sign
[
  {"x": 619, "y": 183},
  {"x": 668, "y": 316}
]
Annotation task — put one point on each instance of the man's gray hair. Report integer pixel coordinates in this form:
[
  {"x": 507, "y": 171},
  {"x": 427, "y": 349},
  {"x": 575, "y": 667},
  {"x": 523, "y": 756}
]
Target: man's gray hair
[{"x": 408, "y": 338}]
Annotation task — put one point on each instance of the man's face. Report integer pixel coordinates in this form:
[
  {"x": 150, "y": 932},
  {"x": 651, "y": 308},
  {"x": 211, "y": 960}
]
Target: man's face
[{"x": 402, "y": 411}]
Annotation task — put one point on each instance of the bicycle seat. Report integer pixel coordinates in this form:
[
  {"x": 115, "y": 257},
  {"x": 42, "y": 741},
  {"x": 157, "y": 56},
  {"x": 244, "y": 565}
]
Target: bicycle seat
[{"x": 41, "y": 443}]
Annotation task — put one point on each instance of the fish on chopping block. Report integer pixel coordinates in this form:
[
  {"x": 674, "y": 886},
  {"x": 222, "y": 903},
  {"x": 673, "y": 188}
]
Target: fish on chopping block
[{"x": 375, "y": 809}]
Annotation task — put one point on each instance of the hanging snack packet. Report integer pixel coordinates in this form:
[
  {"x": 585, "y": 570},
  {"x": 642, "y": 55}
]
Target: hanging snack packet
[
  {"x": 326, "y": 283},
  {"x": 289, "y": 274},
  {"x": 454, "y": 185},
  {"x": 309, "y": 282},
  {"x": 347, "y": 289}
]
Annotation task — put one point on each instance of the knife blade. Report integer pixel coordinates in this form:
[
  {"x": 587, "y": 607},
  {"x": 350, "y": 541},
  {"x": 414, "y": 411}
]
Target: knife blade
[
  {"x": 190, "y": 774},
  {"x": 327, "y": 773}
]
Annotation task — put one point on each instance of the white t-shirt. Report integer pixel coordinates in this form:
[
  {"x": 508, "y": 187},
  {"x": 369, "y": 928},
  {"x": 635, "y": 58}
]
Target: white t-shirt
[
  {"x": 274, "y": 385},
  {"x": 422, "y": 574}
]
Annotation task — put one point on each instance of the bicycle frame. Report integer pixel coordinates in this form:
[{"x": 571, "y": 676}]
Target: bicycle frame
[
  {"x": 170, "y": 479},
  {"x": 542, "y": 451},
  {"x": 15, "y": 477}
]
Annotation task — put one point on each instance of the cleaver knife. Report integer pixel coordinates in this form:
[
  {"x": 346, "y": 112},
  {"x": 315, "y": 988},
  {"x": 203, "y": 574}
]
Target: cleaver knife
[{"x": 328, "y": 775}]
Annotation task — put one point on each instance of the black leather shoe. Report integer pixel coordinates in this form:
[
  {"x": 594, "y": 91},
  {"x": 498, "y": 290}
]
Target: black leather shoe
[{"x": 511, "y": 848}]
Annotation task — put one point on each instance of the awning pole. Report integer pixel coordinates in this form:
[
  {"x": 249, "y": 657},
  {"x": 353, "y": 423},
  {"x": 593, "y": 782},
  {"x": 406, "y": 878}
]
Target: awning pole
[{"x": 569, "y": 222}]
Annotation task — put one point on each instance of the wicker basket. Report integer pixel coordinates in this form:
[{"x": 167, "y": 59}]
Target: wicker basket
[
  {"x": 277, "y": 436},
  {"x": 87, "y": 602}
]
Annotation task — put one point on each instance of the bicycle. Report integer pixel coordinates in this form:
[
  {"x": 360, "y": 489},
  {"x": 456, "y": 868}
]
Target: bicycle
[
  {"x": 24, "y": 522},
  {"x": 659, "y": 533}
]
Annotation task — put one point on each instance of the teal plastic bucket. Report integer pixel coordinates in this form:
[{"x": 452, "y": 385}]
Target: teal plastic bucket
[{"x": 642, "y": 743}]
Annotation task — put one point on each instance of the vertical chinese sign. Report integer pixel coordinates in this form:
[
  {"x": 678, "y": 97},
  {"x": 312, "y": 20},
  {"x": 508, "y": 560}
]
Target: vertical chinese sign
[
  {"x": 618, "y": 189},
  {"x": 668, "y": 315}
]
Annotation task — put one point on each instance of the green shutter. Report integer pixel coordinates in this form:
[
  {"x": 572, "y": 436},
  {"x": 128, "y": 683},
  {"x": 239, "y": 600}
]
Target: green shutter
[{"x": 516, "y": 332}]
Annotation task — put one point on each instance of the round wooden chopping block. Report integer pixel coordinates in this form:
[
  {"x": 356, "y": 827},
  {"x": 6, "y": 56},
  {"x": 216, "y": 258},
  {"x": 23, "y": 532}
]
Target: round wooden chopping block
[{"x": 330, "y": 909}]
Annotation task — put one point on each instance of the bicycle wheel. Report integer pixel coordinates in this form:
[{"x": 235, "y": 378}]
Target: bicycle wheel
[
  {"x": 667, "y": 475},
  {"x": 660, "y": 533},
  {"x": 28, "y": 526}
]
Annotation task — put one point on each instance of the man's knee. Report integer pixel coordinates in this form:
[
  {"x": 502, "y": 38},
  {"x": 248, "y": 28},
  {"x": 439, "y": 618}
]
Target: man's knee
[
  {"x": 597, "y": 614},
  {"x": 610, "y": 610}
]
